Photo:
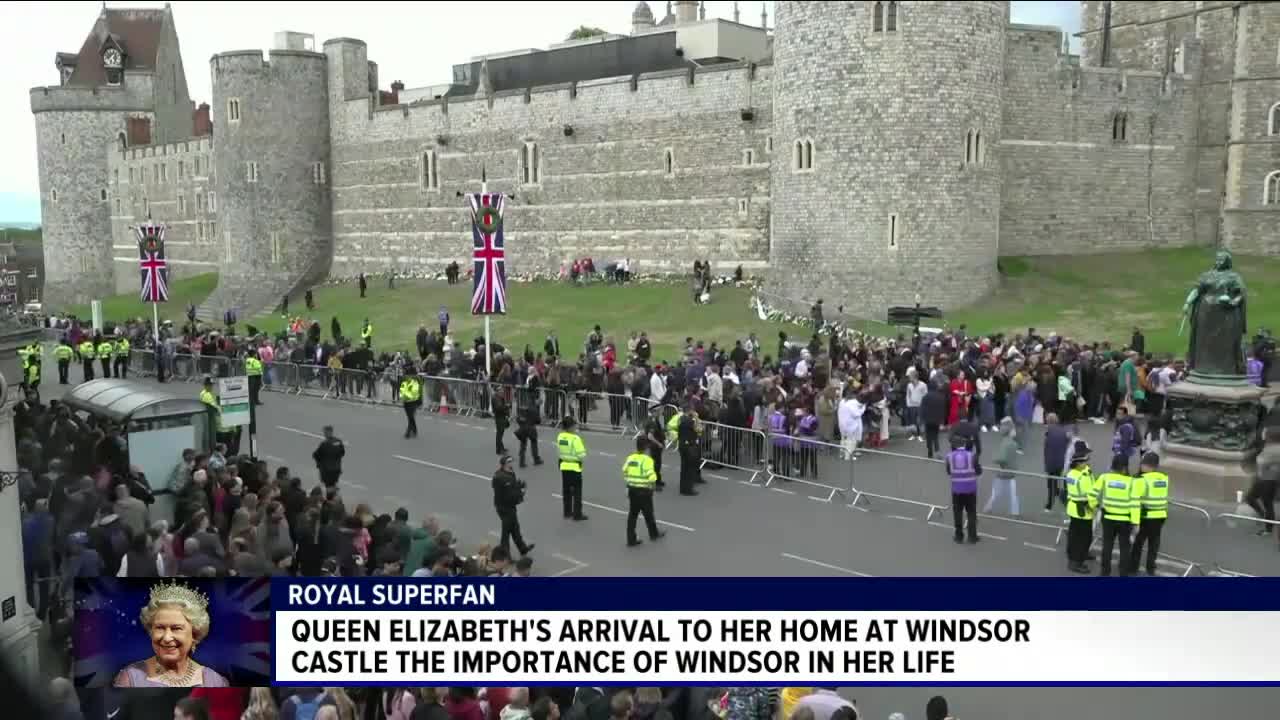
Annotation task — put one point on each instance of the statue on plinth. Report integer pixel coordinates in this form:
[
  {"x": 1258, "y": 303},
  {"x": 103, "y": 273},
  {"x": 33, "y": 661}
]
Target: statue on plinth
[{"x": 1216, "y": 311}]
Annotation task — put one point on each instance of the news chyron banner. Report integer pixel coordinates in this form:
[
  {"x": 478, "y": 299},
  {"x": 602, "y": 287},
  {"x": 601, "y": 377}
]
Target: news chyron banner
[{"x": 775, "y": 631}]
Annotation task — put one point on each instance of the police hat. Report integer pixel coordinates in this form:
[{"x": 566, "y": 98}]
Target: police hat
[
  {"x": 568, "y": 422},
  {"x": 1151, "y": 460},
  {"x": 208, "y": 379},
  {"x": 1080, "y": 452}
]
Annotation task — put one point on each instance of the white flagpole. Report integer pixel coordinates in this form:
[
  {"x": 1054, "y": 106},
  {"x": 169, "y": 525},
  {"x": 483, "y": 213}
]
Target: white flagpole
[{"x": 488, "y": 353}]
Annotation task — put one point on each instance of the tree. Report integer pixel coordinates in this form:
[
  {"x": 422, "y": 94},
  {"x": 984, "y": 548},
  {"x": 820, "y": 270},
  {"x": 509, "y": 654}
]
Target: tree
[{"x": 585, "y": 32}]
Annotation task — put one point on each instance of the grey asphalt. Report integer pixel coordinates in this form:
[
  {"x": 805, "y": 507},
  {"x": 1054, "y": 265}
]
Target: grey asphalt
[{"x": 734, "y": 527}]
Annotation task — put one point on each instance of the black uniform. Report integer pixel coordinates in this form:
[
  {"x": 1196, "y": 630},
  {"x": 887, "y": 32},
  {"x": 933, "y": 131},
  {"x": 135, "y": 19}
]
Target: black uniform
[
  {"x": 658, "y": 442},
  {"x": 328, "y": 456},
  {"x": 508, "y": 492},
  {"x": 501, "y": 420},
  {"x": 690, "y": 455},
  {"x": 527, "y": 421}
]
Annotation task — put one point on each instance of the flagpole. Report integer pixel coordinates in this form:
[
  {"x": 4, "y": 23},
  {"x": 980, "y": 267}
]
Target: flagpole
[{"x": 488, "y": 352}]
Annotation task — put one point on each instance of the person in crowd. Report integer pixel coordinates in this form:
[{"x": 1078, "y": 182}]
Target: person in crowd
[
  {"x": 328, "y": 457},
  {"x": 1005, "y": 484},
  {"x": 964, "y": 470}
]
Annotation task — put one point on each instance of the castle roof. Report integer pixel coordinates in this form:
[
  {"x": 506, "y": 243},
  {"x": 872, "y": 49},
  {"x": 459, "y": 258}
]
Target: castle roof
[
  {"x": 135, "y": 31},
  {"x": 642, "y": 13}
]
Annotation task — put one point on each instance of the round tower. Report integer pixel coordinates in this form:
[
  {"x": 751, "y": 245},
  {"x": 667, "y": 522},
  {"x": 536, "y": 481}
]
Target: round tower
[
  {"x": 885, "y": 182},
  {"x": 271, "y": 156},
  {"x": 76, "y": 129}
]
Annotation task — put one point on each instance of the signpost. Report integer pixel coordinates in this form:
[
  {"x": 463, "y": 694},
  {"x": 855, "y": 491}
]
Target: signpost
[{"x": 237, "y": 411}]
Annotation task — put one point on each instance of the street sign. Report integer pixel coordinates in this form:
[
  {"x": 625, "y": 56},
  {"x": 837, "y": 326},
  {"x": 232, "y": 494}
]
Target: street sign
[{"x": 233, "y": 397}]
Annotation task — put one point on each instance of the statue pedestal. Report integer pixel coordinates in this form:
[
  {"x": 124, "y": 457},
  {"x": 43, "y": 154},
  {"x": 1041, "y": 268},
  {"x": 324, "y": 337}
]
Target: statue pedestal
[{"x": 1212, "y": 440}]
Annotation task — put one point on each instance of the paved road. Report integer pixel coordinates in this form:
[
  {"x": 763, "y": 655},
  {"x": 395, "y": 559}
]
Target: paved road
[{"x": 735, "y": 527}]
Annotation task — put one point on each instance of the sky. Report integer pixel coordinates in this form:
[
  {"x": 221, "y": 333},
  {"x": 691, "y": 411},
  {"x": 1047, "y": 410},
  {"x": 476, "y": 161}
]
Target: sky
[{"x": 415, "y": 42}]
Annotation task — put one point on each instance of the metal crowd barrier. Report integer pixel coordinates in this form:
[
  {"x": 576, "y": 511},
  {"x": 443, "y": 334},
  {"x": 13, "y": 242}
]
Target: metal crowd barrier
[
  {"x": 733, "y": 447},
  {"x": 796, "y": 459}
]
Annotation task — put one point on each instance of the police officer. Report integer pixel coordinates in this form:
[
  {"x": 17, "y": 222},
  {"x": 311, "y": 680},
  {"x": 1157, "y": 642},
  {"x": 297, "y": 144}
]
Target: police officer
[
  {"x": 508, "y": 493},
  {"x": 411, "y": 397},
  {"x": 63, "y": 354},
  {"x": 366, "y": 333},
  {"x": 87, "y": 356},
  {"x": 527, "y": 421},
  {"x": 31, "y": 372},
  {"x": 253, "y": 369},
  {"x": 1153, "y": 487},
  {"x": 121, "y": 353},
  {"x": 105, "y": 349},
  {"x": 1121, "y": 511},
  {"x": 215, "y": 410},
  {"x": 690, "y": 451},
  {"x": 657, "y": 437},
  {"x": 640, "y": 476},
  {"x": 1082, "y": 501},
  {"x": 572, "y": 454},
  {"x": 501, "y": 418}
]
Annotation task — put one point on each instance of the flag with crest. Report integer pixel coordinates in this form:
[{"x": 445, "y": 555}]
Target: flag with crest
[
  {"x": 151, "y": 261},
  {"x": 489, "y": 256}
]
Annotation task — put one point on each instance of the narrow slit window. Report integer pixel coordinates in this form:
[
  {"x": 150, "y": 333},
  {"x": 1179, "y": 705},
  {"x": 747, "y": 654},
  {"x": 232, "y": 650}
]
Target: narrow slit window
[
  {"x": 892, "y": 231},
  {"x": 669, "y": 162},
  {"x": 213, "y": 202},
  {"x": 524, "y": 165},
  {"x": 102, "y": 194},
  {"x": 1273, "y": 120},
  {"x": 748, "y": 157},
  {"x": 233, "y": 110},
  {"x": 1118, "y": 129},
  {"x": 182, "y": 204},
  {"x": 978, "y": 152},
  {"x": 808, "y": 154}
]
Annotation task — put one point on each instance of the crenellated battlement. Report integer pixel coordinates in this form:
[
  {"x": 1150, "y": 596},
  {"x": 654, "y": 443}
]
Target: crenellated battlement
[
  {"x": 178, "y": 147},
  {"x": 726, "y": 89},
  {"x": 135, "y": 96},
  {"x": 256, "y": 62}
]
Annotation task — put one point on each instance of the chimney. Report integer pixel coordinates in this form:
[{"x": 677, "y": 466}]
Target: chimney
[
  {"x": 139, "y": 131},
  {"x": 201, "y": 125}
]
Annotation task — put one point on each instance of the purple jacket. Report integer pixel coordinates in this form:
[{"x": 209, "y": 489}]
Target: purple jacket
[
  {"x": 1024, "y": 405},
  {"x": 778, "y": 429}
]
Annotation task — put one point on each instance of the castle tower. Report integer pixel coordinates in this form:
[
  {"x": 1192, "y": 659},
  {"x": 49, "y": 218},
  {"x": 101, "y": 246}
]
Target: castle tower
[
  {"x": 686, "y": 11},
  {"x": 271, "y": 148},
  {"x": 641, "y": 18},
  {"x": 125, "y": 87},
  {"x": 885, "y": 180}
]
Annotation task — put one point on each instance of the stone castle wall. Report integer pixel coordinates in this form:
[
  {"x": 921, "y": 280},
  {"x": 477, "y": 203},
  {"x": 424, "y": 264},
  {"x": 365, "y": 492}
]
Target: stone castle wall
[
  {"x": 173, "y": 183},
  {"x": 604, "y": 191},
  {"x": 1070, "y": 185}
]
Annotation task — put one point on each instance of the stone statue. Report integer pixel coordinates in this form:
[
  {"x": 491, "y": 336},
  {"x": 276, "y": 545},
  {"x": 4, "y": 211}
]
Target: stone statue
[{"x": 1216, "y": 311}]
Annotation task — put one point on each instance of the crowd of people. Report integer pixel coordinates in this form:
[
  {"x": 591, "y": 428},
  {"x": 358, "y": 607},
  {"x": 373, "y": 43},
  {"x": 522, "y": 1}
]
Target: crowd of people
[
  {"x": 88, "y": 513},
  {"x": 476, "y": 703}
]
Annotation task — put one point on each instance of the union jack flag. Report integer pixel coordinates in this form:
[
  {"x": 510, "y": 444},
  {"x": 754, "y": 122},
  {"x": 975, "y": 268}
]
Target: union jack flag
[
  {"x": 489, "y": 255},
  {"x": 155, "y": 269}
]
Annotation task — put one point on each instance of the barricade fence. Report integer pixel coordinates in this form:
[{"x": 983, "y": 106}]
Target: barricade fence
[{"x": 865, "y": 478}]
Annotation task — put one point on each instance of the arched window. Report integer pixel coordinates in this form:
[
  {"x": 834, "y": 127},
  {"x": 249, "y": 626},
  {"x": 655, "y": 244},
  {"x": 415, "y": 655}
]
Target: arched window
[
  {"x": 968, "y": 147},
  {"x": 1273, "y": 120},
  {"x": 797, "y": 156},
  {"x": 884, "y": 17},
  {"x": 1118, "y": 127},
  {"x": 524, "y": 164},
  {"x": 124, "y": 141},
  {"x": 978, "y": 152},
  {"x": 529, "y": 170},
  {"x": 808, "y": 154},
  {"x": 1271, "y": 189}
]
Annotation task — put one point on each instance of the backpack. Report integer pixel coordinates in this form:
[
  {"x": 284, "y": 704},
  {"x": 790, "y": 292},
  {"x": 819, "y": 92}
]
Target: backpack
[{"x": 308, "y": 709}]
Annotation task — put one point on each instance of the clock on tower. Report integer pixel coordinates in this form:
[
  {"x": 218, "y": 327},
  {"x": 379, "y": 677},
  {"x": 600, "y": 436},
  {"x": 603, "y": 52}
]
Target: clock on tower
[{"x": 111, "y": 58}]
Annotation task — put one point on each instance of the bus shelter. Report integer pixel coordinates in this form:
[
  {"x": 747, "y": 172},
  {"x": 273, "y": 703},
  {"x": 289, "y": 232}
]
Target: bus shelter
[{"x": 157, "y": 426}]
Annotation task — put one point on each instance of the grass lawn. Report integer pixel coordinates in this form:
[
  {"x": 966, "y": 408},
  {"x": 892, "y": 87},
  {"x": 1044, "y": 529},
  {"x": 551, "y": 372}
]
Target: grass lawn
[
  {"x": 1100, "y": 297},
  {"x": 664, "y": 310},
  {"x": 1086, "y": 298},
  {"x": 181, "y": 293}
]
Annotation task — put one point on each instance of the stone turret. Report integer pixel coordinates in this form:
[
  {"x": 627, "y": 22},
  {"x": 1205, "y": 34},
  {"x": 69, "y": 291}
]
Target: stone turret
[
  {"x": 641, "y": 17},
  {"x": 686, "y": 11}
]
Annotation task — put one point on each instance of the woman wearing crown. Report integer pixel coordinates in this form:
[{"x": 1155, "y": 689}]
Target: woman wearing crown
[{"x": 177, "y": 619}]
